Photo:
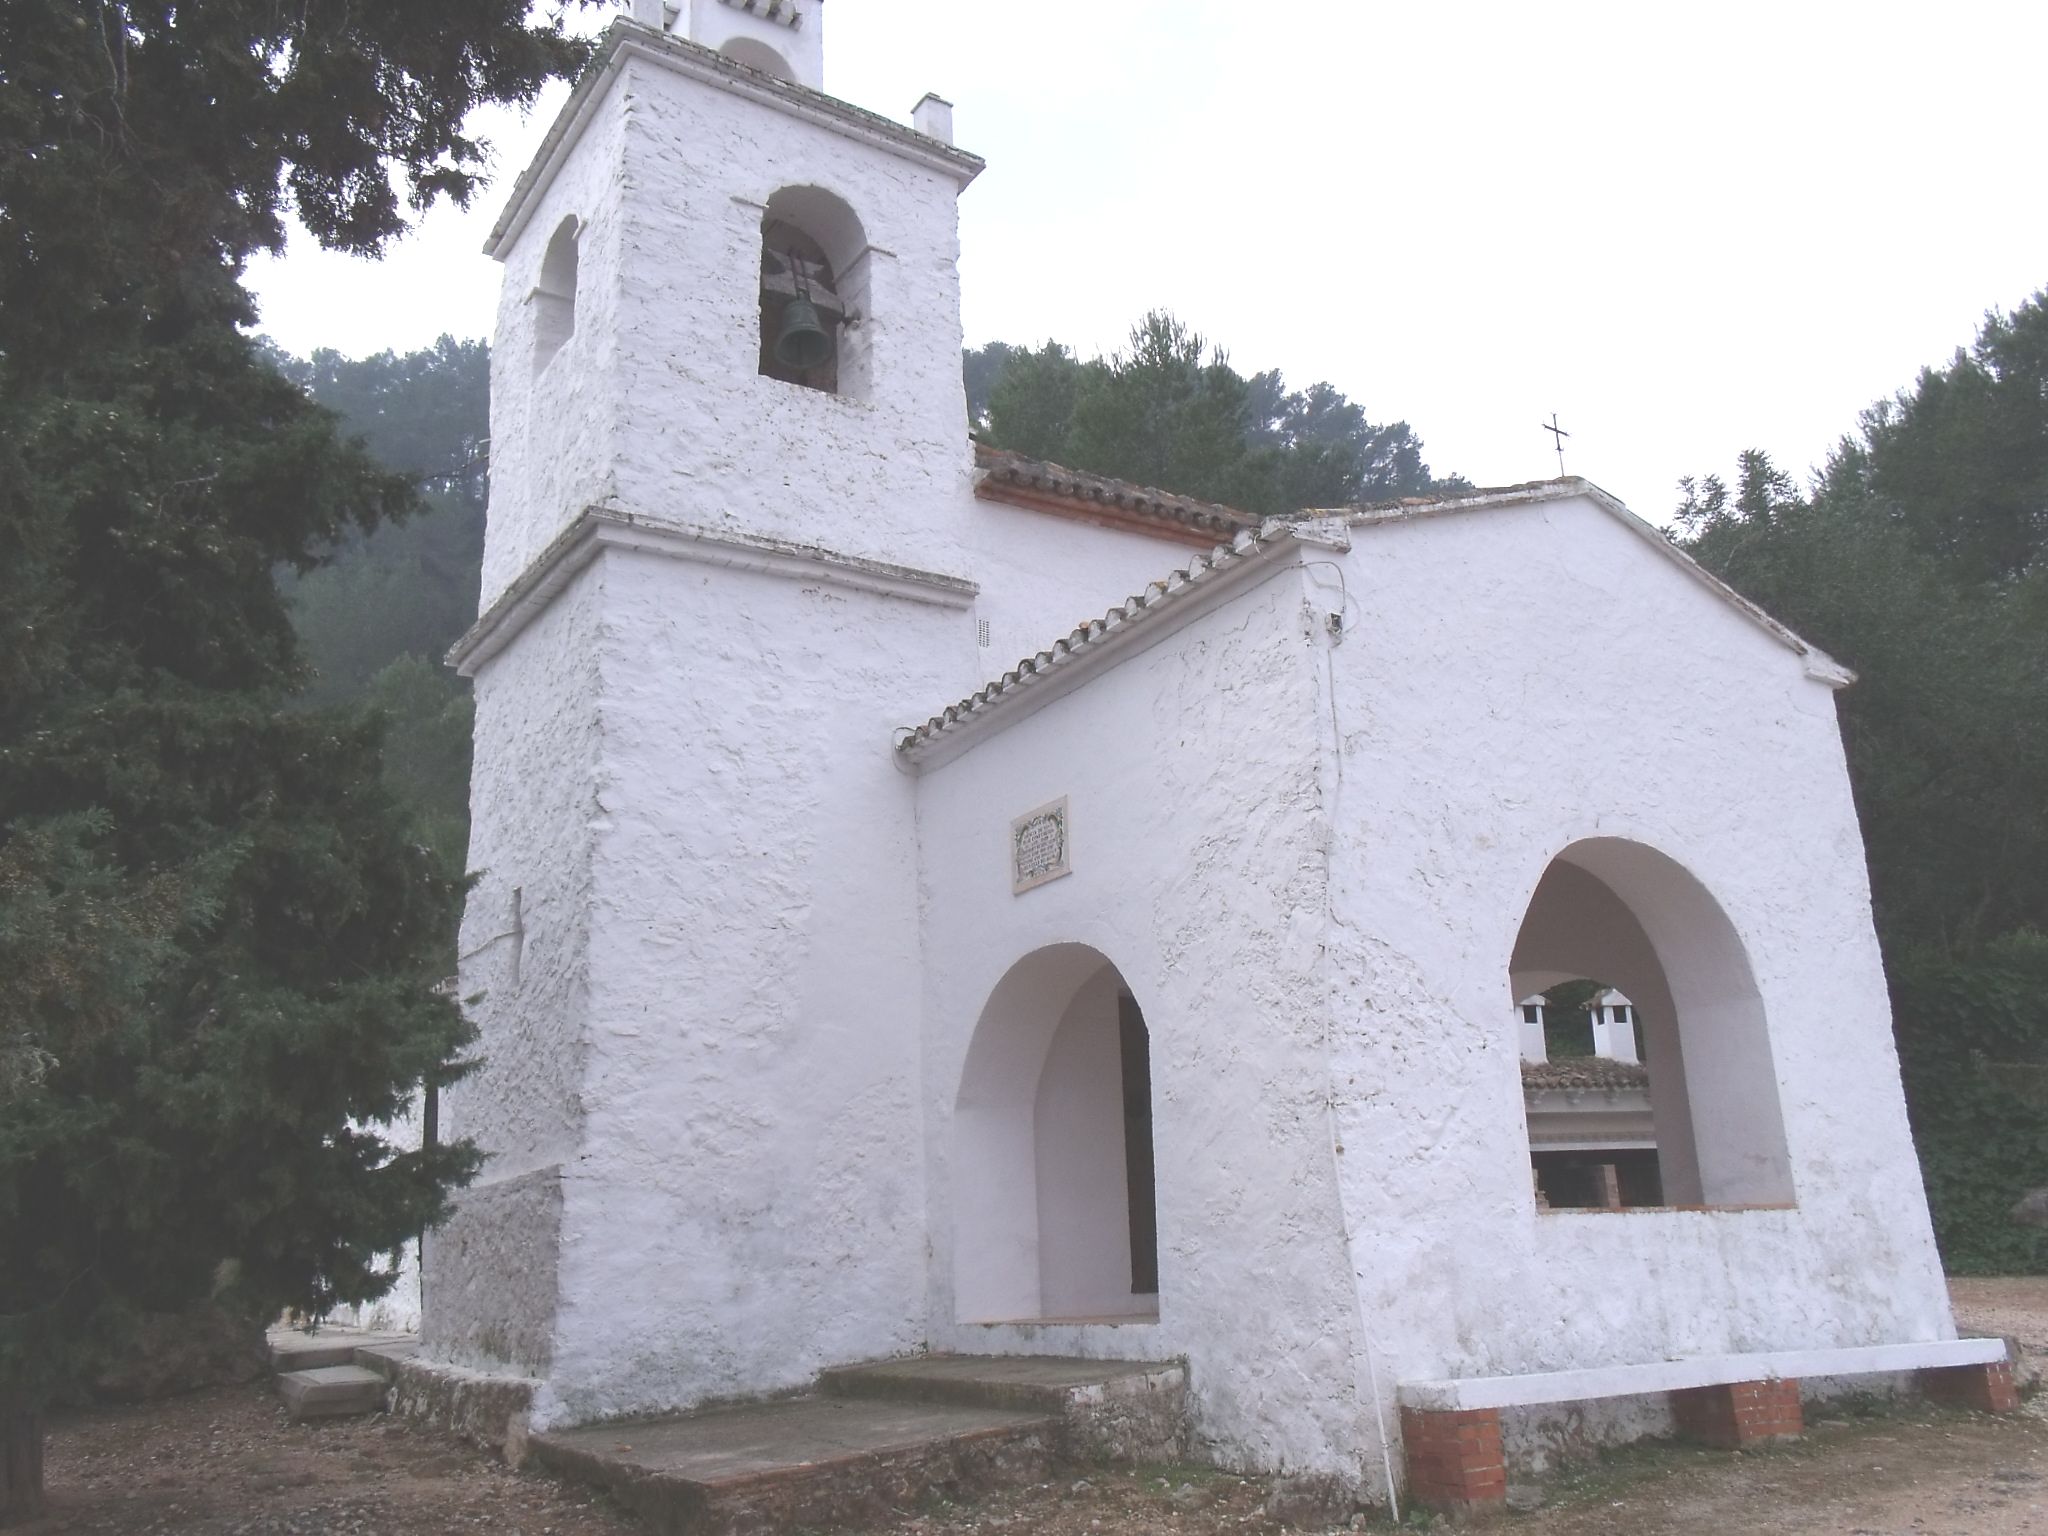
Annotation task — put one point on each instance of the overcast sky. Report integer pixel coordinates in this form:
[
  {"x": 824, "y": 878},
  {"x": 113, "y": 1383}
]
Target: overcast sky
[{"x": 1685, "y": 229}]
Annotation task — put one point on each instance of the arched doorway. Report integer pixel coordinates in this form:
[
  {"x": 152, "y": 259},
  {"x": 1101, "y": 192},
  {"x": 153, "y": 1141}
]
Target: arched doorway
[
  {"x": 1654, "y": 937},
  {"x": 1054, "y": 1206}
]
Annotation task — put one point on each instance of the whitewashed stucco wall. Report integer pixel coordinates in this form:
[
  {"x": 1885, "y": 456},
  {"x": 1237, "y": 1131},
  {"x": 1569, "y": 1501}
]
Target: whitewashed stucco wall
[
  {"x": 1426, "y": 768},
  {"x": 555, "y": 431},
  {"x": 1483, "y": 653},
  {"x": 1199, "y": 864},
  {"x": 877, "y": 477},
  {"x": 525, "y": 981},
  {"x": 746, "y": 1205},
  {"x": 697, "y": 762}
]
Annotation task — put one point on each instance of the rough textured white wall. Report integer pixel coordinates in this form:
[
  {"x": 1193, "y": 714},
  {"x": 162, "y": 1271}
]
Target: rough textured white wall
[
  {"x": 1727, "y": 758},
  {"x": 1393, "y": 902},
  {"x": 1199, "y": 850},
  {"x": 746, "y": 1205},
  {"x": 657, "y": 405},
  {"x": 554, "y": 432},
  {"x": 525, "y": 976},
  {"x": 706, "y": 435},
  {"x": 737, "y": 1111}
]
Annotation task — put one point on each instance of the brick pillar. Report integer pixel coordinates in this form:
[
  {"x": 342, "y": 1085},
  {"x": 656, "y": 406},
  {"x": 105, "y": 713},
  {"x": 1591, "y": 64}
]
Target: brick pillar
[
  {"x": 1985, "y": 1388},
  {"x": 1454, "y": 1459},
  {"x": 1739, "y": 1415}
]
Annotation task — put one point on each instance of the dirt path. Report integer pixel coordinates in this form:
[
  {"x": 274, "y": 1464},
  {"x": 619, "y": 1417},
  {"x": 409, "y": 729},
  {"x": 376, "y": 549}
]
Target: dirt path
[
  {"x": 227, "y": 1464},
  {"x": 1921, "y": 1473}
]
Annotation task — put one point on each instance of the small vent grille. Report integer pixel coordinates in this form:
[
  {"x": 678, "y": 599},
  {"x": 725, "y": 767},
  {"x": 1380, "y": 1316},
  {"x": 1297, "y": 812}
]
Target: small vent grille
[{"x": 981, "y": 634}]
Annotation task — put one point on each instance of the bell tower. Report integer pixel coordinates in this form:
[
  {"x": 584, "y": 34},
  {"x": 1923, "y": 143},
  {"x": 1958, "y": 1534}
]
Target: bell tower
[
  {"x": 783, "y": 38},
  {"x": 730, "y": 514},
  {"x": 698, "y": 187}
]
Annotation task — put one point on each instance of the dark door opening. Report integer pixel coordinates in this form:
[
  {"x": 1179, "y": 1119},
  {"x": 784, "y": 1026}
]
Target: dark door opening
[
  {"x": 1617, "y": 1180},
  {"x": 1138, "y": 1163}
]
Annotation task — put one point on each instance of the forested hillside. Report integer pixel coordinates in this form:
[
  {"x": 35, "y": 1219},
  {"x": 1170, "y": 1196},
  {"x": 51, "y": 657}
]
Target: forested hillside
[
  {"x": 376, "y": 619},
  {"x": 1918, "y": 555},
  {"x": 1169, "y": 410}
]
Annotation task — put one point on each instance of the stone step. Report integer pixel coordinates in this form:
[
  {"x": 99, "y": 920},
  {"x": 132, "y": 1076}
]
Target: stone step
[
  {"x": 384, "y": 1358},
  {"x": 1109, "y": 1410},
  {"x": 291, "y": 1350},
  {"x": 331, "y": 1392},
  {"x": 802, "y": 1464}
]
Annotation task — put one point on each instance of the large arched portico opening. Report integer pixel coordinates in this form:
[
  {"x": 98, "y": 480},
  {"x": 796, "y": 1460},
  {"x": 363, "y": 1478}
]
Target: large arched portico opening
[
  {"x": 1054, "y": 1211},
  {"x": 1637, "y": 920}
]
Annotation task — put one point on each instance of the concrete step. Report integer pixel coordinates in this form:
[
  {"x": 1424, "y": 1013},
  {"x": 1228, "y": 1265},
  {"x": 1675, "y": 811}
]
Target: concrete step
[
  {"x": 331, "y": 1392},
  {"x": 384, "y": 1358},
  {"x": 802, "y": 1464},
  {"x": 1048, "y": 1383},
  {"x": 1109, "y": 1410},
  {"x": 291, "y": 1350}
]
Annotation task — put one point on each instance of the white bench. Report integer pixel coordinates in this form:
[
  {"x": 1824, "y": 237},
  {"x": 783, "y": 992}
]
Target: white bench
[{"x": 1451, "y": 1427}]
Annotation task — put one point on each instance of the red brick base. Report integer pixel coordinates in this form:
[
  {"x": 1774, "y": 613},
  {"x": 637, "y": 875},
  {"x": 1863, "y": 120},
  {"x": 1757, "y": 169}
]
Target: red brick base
[
  {"x": 1454, "y": 1459},
  {"x": 1742, "y": 1414},
  {"x": 1986, "y": 1388}
]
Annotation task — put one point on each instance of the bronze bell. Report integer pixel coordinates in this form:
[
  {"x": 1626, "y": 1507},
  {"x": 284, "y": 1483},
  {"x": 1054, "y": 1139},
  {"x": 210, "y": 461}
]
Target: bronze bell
[{"x": 804, "y": 342}]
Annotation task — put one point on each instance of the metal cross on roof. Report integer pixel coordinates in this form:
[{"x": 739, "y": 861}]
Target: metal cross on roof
[{"x": 1558, "y": 435}]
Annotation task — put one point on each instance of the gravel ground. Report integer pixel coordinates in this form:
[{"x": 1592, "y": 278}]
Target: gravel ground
[
  {"x": 227, "y": 1463},
  {"x": 2013, "y": 1309}
]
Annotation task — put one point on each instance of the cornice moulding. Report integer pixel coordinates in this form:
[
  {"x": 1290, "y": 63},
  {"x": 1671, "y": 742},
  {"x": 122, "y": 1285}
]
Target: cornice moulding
[{"x": 600, "y": 529}]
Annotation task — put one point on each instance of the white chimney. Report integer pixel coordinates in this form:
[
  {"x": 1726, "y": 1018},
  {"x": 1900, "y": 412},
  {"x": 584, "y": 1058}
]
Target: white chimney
[
  {"x": 933, "y": 117},
  {"x": 1614, "y": 1027},
  {"x": 1530, "y": 1015}
]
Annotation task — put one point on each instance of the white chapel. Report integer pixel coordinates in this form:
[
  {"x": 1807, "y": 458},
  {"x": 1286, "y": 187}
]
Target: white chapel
[{"x": 851, "y": 990}]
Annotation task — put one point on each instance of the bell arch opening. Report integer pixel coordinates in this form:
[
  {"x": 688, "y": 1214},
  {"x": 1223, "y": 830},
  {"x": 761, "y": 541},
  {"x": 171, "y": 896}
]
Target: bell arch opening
[
  {"x": 756, "y": 54},
  {"x": 1679, "y": 1062},
  {"x": 815, "y": 272},
  {"x": 554, "y": 296},
  {"x": 1053, "y": 1191}
]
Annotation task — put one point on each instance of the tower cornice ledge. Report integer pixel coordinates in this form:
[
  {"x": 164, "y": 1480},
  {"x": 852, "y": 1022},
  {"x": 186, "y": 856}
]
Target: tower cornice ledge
[
  {"x": 628, "y": 39},
  {"x": 603, "y": 528}
]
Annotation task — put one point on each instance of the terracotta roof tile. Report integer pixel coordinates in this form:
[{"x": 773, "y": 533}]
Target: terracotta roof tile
[
  {"x": 1584, "y": 1073},
  {"x": 1012, "y": 478},
  {"x": 1097, "y": 635}
]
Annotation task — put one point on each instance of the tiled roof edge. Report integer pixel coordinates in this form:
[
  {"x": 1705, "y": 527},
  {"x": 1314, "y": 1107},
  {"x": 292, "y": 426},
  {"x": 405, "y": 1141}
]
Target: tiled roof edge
[
  {"x": 1011, "y": 477},
  {"x": 1099, "y": 642},
  {"x": 1584, "y": 1074}
]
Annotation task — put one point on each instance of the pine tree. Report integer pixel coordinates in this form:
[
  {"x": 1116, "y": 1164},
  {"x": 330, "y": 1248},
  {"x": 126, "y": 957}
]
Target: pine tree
[
  {"x": 1170, "y": 411},
  {"x": 1915, "y": 558},
  {"x": 216, "y": 934}
]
